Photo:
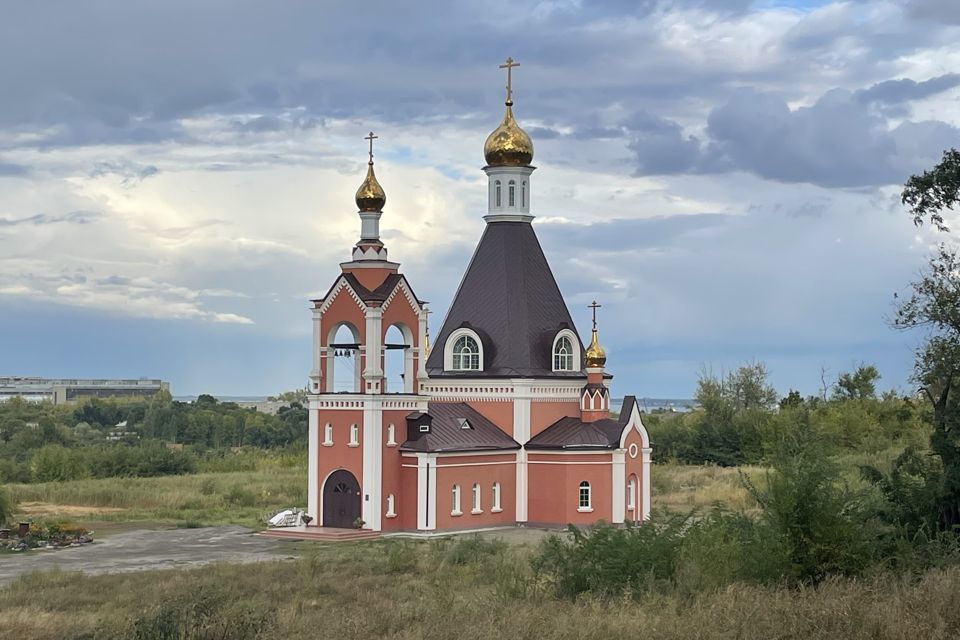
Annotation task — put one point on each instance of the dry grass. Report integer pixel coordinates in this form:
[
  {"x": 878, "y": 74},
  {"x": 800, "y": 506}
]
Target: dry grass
[
  {"x": 420, "y": 590},
  {"x": 241, "y": 497},
  {"x": 680, "y": 488}
]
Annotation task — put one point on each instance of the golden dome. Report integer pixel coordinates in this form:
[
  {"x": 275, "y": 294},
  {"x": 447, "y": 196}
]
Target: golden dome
[
  {"x": 508, "y": 145},
  {"x": 595, "y": 355},
  {"x": 370, "y": 195}
]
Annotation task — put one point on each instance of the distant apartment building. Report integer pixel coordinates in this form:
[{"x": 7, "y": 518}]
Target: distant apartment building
[{"x": 67, "y": 390}]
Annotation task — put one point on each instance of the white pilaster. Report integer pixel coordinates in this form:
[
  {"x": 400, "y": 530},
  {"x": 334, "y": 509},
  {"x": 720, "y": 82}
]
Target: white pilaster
[
  {"x": 426, "y": 491},
  {"x": 421, "y": 345},
  {"x": 521, "y": 433},
  {"x": 645, "y": 502},
  {"x": 372, "y": 464},
  {"x": 373, "y": 372},
  {"x": 313, "y": 466},
  {"x": 619, "y": 486},
  {"x": 316, "y": 371}
]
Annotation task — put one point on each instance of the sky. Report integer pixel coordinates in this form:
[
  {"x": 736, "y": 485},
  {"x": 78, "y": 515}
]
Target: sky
[{"x": 177, "y": 178}]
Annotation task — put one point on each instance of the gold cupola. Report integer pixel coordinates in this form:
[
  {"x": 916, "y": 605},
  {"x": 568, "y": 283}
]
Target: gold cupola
[
  {"x": 508, "y": 145},
  {"x": 370, "y": 196},
  {"x": 595, "y": 356}
]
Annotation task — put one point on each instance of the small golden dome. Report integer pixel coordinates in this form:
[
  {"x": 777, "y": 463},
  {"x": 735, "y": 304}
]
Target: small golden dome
[
  {"x": 595, "y": 355},
  {"x": 508, "y": 145},
  {"x": 370, "y": 195}
]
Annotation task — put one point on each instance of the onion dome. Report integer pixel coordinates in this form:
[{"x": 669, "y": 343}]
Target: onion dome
[
  {"x": 508, "y": 145},
  {"x": 370, "y": 195},
  {"x": 595, "y": 355}
]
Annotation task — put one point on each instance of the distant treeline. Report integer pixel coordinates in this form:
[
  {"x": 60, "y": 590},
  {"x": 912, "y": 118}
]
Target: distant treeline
[
  {"x": 135, "y": 437},
  {"x": 740, "y": 418}
]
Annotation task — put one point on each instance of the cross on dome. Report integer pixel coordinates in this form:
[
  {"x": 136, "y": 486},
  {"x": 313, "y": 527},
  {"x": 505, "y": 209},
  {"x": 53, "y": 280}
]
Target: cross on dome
[
  {"x": 371, "y": 138},
  {"x": 509, "y": 65}
]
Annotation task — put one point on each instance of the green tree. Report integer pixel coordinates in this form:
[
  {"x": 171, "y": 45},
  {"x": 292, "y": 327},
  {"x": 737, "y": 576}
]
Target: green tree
[
  {"x": 859, "y": 384},
  {"x": 930, "y": 193}
]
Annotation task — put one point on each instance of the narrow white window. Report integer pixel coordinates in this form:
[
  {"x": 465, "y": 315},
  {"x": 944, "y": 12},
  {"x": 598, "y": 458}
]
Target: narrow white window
[
  {"x": 391, "y": 436},
  {"x": 563, "y": 355},
  {"x": 496, "y": 188},
  {"x": 328, "y": 435},
  {"x": 455, "y": 496},
  {"x": 510, "y": 193},
  {"x": 476, "y": 500},
  {"x": 523, "y": 193},
  {"x": 354, "y": 436},
  {"x": 466, "y": 354},
  {"x": 584, "y": 497},
  {"x": 496, "y": 498},
  {"x": 632, "y": 494},
  {"x": 391, "y": 512}
]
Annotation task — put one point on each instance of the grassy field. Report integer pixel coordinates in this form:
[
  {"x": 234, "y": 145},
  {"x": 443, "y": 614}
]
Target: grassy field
[
  {"x": 239, "y": 497},
  {"x": 455, "y": 589}
]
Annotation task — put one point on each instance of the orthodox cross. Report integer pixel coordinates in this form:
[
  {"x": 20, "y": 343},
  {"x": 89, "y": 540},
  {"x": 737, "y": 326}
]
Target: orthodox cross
[
  {"x": 371, "y": 138},
  {"x": 509, "y": 65},
  {"x": 593, "y": 307}
]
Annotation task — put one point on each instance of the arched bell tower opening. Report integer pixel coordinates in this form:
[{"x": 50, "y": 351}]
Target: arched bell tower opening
[
  {"x": 398, "y": 359},
  {"x": 343, "y": 359}
]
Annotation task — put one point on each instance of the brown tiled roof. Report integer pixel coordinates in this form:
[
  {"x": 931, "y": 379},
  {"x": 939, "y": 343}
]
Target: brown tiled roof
[
  {"x": 448, "y": 435},
  {"x": 571, "y": 434},
  {"x": 510, "y": 298}
]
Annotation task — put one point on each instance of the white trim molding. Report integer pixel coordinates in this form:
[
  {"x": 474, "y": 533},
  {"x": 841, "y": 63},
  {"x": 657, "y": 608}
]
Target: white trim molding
[
  {"x": 619, "y": 479},
  {"x": 313, "y": 466}
]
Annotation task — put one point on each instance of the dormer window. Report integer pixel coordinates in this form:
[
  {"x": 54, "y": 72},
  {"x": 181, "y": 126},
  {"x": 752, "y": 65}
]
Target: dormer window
[
  {"x": 463, "y": 351},
  {"x": 464, "y": 423},
  {"x": 566, "y": 351}
]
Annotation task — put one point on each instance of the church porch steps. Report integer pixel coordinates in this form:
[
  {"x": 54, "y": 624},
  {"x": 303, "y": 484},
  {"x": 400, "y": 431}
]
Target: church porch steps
[{"x": 325, "y": 534}]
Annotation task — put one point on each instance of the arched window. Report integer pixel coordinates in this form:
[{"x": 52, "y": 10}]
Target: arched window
[
  {"x": 328, "y": 434},
  {"x": 510, "y": 193},
  {"x": 563, "y": 354},
  {"x": 391, "y": 513},
  {"x": 455, "y": 499},
  {"x": 391, "y": 436},
  {"x": 496, "y": 498},
  {"x": 583, "y": 503},
  {"x": 523, "y": 193},
  {"x": 466, "y": 354},
  {"x": 475, "y": 507},
  {"x": 632, "y": 494},
  {"x": 354, "y": 436},
  {"x": 496, "y": 188}
]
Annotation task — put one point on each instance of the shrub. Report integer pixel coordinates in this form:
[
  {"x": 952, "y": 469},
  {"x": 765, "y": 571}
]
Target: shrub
[
  {"x": 6, "y": 506},
  {"x": 241, "y": 497}
]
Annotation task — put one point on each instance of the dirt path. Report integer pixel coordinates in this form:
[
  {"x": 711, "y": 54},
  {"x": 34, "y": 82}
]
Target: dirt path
[{"x": 146, "y": 550}]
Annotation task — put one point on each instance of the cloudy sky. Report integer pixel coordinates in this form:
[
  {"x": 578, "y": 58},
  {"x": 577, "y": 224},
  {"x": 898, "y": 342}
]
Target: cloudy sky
[{"x": 177, "y": 178}]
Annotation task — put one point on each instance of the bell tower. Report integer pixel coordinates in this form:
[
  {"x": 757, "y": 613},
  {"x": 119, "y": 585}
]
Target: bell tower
[{"x": 594, "y": 397}]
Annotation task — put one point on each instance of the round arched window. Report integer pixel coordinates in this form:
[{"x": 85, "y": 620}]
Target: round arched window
[{"x": 466, "y": 354}]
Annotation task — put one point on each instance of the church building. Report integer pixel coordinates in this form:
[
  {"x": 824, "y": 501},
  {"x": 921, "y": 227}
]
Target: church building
[{"x": 505, "y": 421}]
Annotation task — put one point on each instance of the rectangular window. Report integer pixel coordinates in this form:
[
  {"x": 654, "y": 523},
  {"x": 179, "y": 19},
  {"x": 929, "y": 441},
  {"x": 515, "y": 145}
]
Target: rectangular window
[
  {"x": 424, "y": 428},
  {"x": 584, "y": 495}
]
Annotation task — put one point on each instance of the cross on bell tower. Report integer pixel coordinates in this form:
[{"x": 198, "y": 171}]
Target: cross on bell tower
[{"x": 509, "y": 65}]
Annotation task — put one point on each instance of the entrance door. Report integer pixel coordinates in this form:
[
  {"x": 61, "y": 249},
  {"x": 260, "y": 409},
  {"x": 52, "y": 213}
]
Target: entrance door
[{"x": 341, "y": 500}]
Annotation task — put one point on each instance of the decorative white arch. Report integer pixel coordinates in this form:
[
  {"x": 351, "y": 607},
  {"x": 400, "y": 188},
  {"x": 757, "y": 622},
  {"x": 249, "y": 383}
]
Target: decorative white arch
[
  {"x": 452, "y": 340},
  {"x": 574, "y": 346},
  {"x": 408, "y": 371}
]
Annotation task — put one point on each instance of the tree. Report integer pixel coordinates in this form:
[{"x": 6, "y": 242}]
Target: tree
[
  {"x": 929, "y": 194},
  {"x": 859, "y": 384}
]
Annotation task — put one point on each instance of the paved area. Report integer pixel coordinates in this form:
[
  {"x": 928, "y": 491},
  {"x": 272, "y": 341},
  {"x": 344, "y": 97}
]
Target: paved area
[{"x": 146, "y": 550}]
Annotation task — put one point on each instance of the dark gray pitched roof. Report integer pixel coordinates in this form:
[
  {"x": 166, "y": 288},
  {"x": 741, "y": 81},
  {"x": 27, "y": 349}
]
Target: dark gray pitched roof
[
  {"x": 570, "y": 433},
  {"x": 510, "y": 298},
  {"x": 447, "y": 433}
]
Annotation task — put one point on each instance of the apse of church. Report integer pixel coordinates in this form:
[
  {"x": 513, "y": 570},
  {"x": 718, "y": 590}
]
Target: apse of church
[{"x": 505, "y": 421}]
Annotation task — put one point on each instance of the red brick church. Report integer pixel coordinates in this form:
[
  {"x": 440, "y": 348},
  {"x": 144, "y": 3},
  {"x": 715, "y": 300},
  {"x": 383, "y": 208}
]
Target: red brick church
[{"x": 505, "y": 421}]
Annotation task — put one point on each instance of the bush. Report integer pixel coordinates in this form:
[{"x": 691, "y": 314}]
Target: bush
[
  {"x": 241, "y": 497},
  {"x": 6, "y": 506}
]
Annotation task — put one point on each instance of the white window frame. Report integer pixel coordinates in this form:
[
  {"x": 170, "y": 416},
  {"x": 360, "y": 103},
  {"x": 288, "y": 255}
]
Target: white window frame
[
  {"x": 452, "y": 340},
  {"x": 391, "y": 512},
  {"x": 391, "y": 435},
  {"x": 580, "y": 494},
  {"x": 476, "y": 505},
  {"x": 354, "y": 436},
  {"x": 574, "y": 349},
  {"x": 495, "y": 491},
  {"x": 455, "y": 495},
  {"x": 632, "y": 494},
  {"x": 328, "y": 435}
]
